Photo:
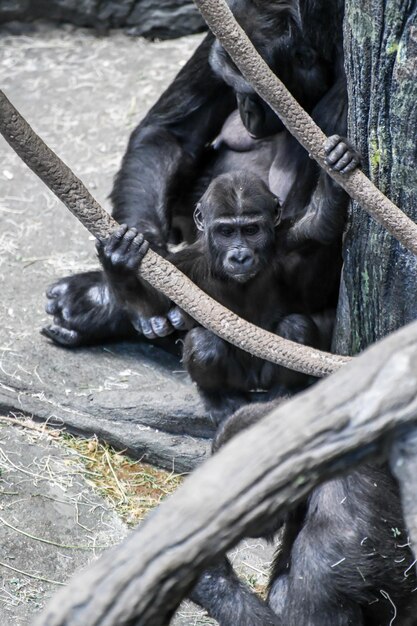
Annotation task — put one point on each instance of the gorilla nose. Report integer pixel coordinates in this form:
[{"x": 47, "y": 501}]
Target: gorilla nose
[{"x": 242, "y": 259}]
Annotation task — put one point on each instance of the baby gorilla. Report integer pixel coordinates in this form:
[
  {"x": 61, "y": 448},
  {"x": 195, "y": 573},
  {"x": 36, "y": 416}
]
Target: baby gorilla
[{"x": 236, "y": 261}]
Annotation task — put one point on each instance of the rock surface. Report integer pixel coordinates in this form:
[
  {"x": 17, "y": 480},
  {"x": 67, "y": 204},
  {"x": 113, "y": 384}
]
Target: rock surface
[
  {"x": 84, "y": 95},
  {"x": 163, "y": 19}
]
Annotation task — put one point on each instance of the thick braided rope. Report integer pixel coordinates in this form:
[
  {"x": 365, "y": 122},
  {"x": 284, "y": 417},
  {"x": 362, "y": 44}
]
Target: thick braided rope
[{"x": 157, "y": 271}]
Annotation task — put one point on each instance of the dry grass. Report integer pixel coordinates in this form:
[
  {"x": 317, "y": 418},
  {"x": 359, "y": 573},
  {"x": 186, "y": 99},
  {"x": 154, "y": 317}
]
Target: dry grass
[{"x": 131, "y": 487}]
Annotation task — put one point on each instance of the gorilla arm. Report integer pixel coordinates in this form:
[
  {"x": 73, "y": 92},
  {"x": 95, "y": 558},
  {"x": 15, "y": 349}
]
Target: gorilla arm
[
  {"x": 325, "y": 215},
  {"x": 164, "y": 148}
]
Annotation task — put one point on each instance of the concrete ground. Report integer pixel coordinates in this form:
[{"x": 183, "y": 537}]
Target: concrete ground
[{"x": 83, "y": 95}]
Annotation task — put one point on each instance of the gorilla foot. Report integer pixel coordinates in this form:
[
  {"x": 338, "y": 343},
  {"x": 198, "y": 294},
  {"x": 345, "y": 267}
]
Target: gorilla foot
[{"x": 84, "y": 311}]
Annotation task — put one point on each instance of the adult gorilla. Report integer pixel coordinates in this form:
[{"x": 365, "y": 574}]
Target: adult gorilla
[{"x": 173, "y": 154}]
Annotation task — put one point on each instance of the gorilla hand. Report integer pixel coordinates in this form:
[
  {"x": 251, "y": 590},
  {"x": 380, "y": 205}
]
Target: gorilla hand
[{"x": 150, "y": 313}]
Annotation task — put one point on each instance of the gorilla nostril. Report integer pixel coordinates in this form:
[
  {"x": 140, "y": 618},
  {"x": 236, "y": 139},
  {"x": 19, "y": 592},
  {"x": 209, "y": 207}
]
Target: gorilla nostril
[{"x": 242, "y": 258}]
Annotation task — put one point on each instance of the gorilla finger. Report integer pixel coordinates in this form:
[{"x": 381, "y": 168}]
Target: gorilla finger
[
  {"x": 161, "y": 326},
  {"x": 336, "y": 154},
  {"x": 139, "y": 242},
  {"x": 66, "y": 314},
  {"x": 343, "y": 162},
  {"x": 123, "y": 247},
  {"x": 331, "y": 143},
  {"x": 61, "y": 335},
  {"x": 113, "y": 242},
  {"x": 147, "y": 328},
  {"x": 137, "y": 251},
  {"x": 177, "y": 318},
  {"x": 52, "y": 306},
  {"x": 123, "y": 243},
  {"x": 119, "y": 233},
  {"x": 129, "y": 237},
  {"x": 350, "y": 166}
]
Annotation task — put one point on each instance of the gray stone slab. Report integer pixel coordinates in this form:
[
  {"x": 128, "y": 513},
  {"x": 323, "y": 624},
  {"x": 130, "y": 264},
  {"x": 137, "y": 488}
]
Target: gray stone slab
[{"x": 84, "y": 95}]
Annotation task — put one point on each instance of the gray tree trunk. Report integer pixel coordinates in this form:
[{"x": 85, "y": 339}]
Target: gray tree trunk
[{"x": 379, "y": 286}]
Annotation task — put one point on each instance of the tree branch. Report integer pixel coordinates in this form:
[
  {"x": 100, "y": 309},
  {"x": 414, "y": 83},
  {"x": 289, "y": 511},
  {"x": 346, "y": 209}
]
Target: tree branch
[
  {"x": 157, "y": 271},
  {"x": 223, "y": 25}
]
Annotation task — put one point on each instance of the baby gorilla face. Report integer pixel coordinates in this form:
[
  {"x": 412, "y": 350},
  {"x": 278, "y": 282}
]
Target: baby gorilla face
[
  {"x": 238, "y": 215},
  {"x": 240, "y": 244}
]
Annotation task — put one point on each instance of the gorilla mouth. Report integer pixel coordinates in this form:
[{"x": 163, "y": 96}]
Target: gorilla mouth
[
  {"x": 242, "y": 277},
  {"x": 240, "y": 274}
]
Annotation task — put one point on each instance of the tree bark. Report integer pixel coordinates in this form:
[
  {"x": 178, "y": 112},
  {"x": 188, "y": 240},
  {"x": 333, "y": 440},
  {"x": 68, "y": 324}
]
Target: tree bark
[
  {"x": 341, "y": 421},
  {"x": 379, "y": 287}
]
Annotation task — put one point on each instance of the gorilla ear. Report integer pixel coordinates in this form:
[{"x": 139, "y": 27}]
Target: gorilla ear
[{"x": 198, "y": 217}]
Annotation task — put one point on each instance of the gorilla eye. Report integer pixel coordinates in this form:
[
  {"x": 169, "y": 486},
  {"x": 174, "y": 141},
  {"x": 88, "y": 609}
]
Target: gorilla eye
[
  {"x": 253, "y": 229},
  {"x": 225, "y": 231}
]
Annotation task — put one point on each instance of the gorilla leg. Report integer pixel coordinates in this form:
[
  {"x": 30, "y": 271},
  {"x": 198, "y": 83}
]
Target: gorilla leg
[
  {"x": 345, "y": 562},
  {"x": 212, "y": 364},
  {"x": 301, "y": 588},
  {"x": 308, "y": 330},
  {"x": 229, "y": 601}
]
